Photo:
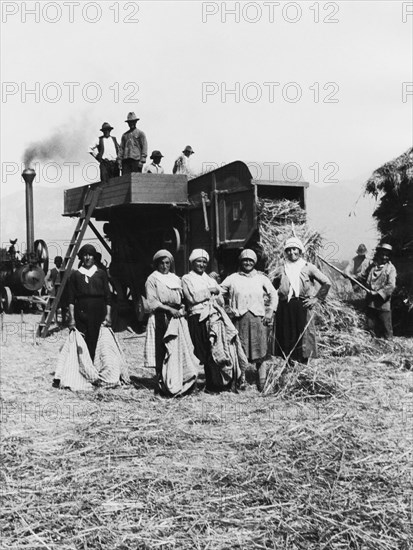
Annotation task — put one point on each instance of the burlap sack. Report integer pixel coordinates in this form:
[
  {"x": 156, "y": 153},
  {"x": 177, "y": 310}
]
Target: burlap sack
[{"x": 74, "y": 367}]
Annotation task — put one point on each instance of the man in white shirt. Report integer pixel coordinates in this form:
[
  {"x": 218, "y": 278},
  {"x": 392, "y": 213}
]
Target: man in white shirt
[
  {"x": 155, "y": 166},
  {"x": 181, "y": 165},
  {"x": 105, "y": 151}
]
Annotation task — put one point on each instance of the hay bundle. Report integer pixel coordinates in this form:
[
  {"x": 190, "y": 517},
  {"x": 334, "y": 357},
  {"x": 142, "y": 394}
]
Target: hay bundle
[
  {"x": 341, "y": 330},
  {"x": 279, "y": 220},
  {"x": 301, "y": 381}
]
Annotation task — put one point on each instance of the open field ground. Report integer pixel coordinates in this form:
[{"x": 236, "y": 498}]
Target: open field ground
[{"x": 123, "y": 469}]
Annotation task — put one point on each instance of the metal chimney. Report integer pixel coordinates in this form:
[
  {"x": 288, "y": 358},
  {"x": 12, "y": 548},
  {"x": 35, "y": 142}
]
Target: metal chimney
[{"x": 28, "y": 175}]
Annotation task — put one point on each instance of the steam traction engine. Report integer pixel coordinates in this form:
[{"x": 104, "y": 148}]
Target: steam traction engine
[
  {"x": 216, "y": 211},
  {"x": 22, "y": 279}
]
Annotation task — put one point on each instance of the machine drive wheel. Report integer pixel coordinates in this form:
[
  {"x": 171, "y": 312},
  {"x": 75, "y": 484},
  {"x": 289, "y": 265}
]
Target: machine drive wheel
[
  {"x": 42, "y": 253},
  {"x": 172, "y": 240},
  {"x": 6, "y": 300}
]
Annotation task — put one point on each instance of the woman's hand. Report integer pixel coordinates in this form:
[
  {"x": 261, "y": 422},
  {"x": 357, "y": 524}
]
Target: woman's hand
[
  {"x": 268, "y": 319},
  {"x": 310, "y": 302},
  {"x": 176, "y": 313},
  {"x": 107, "y": 322}
]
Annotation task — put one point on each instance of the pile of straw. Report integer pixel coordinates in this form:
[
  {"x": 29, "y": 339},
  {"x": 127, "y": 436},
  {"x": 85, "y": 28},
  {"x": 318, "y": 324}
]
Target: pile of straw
[
  {"x": 310, "y": 381},
  {"x": 341, "y": 331},
  {"x": 392, "y": 186}
]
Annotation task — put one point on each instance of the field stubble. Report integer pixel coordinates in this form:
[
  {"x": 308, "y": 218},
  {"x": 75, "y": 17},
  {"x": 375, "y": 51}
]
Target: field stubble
[{"x": 122, "y": 469}]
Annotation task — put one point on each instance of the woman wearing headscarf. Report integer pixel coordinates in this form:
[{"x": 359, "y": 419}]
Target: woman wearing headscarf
[
  {"x": 295, "y": 336},
  {"x": 215, "y": 338},
  {"x": 168, "y": 345},
  {"x": 89, "y": 298},
  {"x": 247, "y": 291}
]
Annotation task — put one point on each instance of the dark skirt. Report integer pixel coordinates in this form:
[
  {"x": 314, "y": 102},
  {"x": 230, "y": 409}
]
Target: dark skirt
[
  {"x": 199, "y": 337},
  {"x": 202, "y": 350},
  {"x": 90, "y": 312},
  {"x": 253, "y": 335},
  {"x": 291, "y": 320}
]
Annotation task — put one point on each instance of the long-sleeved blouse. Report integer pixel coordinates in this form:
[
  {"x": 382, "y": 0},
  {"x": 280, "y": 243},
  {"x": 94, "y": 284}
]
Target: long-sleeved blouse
[
  {"x": 197, "y": 291},
  {"x": 247, "y": 292},
  {"x": 163, "y": 289},
  {"x": 81, "y": 286},
  {"x": 309, "y": 273}
]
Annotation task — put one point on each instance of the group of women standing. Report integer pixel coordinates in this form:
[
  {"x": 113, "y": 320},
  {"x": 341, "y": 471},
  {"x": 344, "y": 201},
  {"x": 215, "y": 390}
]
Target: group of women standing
[
  {"x": 189, "y": 325},
  {"x": 207, "y": 336}
]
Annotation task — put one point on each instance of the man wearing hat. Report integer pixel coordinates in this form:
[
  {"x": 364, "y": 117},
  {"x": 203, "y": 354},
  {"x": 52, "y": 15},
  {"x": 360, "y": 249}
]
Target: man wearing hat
[
  {"x": 380, "y": 279},
  {"x": 155, "y": 166},
  {"x": 133, "y": 148},
  {"x": 105, "y": 151},
  {"x": 357, "y": 264},
  {"x": 181, "y": 165}
]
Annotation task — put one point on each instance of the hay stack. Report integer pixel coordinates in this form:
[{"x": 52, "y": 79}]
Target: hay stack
[{"x": 392, "y": 186}]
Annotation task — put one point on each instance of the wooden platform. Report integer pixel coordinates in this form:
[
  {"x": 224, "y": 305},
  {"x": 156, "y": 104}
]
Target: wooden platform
[{"x": 131, "y": 189}]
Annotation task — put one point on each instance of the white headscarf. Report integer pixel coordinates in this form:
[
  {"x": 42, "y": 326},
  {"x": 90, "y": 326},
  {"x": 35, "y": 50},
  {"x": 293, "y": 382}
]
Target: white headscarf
[
  {"x": 169, "y": 279},
  {"x": 294, "y": 242},
  {"x": 163, "y": 253},
  {"x": 248, "y": 254},
  {"x": 198, "y": 253}
]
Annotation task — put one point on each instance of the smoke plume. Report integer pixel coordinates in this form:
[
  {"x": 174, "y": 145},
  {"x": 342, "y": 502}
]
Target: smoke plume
[{"x": 69, "y": 142}]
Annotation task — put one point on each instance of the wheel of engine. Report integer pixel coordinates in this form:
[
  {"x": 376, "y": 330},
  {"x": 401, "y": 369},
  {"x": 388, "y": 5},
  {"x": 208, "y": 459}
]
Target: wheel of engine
[
  {"x": 42, "y": 253},
  {"x": 172, "y": 240},
  {"x": 6, "y": 299}
]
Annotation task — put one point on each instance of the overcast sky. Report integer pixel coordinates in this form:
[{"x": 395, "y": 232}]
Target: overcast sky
[{"x": 324, "y": 85}]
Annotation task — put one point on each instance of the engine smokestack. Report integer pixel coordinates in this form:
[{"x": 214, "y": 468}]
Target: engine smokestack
[{"x": 28, "y": 175}]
